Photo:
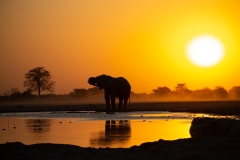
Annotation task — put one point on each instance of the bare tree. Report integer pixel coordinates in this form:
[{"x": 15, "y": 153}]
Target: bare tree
[
  {"x": 39, "y": 79},
  {"x": 12, "y": 92}
]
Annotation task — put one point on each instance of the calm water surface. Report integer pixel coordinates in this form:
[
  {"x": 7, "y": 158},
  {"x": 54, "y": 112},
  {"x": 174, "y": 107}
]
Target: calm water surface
[{"x": 94, "y": 129}]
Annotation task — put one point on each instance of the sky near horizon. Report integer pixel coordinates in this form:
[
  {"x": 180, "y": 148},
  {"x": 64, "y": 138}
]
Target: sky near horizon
[{"x": 141, "y": 40}]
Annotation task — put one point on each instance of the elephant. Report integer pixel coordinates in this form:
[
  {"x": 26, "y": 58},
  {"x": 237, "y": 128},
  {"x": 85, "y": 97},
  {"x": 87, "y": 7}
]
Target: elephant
[{"x": 113, "y": 88}]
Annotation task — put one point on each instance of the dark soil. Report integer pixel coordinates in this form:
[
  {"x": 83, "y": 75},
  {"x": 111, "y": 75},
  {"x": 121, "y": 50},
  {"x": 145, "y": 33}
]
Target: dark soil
[{"x": 182, "y": 149}]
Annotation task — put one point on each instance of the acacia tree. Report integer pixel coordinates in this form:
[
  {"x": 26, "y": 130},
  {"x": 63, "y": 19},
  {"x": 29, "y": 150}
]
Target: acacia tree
[
  {"x": 39, "y": 79},
  {"x": 79, "y": 93},
  {"x": 220, "y": 92},
  {"x": 234, "y": 92},
  {"x": 162, "y": 91}
]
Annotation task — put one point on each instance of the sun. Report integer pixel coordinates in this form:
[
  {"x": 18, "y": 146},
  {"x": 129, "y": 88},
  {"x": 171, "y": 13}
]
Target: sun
[{"x": 205, "y": 51}]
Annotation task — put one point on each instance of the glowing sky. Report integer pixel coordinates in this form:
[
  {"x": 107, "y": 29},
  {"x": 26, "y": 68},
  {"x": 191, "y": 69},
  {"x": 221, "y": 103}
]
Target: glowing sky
[{"x": 141, "y": 40}]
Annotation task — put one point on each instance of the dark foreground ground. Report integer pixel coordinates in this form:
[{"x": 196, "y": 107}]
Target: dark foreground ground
[
  {"x": 182, "y": 149},
  {"x": 192, "y": 148}
]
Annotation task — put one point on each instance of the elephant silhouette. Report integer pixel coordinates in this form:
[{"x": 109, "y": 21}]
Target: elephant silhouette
[{"x": 113, "y": 88}]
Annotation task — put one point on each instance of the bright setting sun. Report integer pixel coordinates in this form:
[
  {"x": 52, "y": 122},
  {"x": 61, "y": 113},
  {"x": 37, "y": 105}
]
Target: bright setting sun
[{"x": 205, "y": 51}]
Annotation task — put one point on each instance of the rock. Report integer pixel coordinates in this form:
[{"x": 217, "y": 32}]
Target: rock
[{"x": 213, "y": 127}]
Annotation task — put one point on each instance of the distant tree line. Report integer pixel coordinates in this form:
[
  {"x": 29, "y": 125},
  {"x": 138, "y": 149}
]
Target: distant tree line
[
  {"x": 39, "y": 79},
  {"x": 14, "y": 94},
  {"x": 180, "y": 92}
]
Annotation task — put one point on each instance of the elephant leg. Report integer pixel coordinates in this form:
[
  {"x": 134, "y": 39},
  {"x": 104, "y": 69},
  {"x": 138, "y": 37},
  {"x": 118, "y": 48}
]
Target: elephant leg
[
  {"x": 113, "y": 102},
  {"x": 120, "y": 104},
  {"x": 107, "y": 100},
  {"x": 125, "y": 103}
]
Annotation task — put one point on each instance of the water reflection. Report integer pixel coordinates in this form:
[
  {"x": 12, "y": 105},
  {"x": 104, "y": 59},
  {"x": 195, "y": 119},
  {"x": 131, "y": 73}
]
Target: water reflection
[
  {"x": 96, "y": 132},
  {"x": 38, "y": 125},
  {"x": 116, "y": 131}
]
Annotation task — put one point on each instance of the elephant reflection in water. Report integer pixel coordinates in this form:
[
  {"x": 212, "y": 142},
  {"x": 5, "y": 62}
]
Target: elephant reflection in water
[
  {"x": 116, "y": 131},
  {"x": 38, "y": 125}
]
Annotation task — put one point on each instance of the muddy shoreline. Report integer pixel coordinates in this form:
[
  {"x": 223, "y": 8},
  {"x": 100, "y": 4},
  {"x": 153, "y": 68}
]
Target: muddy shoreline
[{"x": 211, "y": 107}]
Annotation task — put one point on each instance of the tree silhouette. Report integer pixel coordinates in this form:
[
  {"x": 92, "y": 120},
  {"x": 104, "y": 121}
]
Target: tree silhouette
[
  {"x": 12, "y": 92},
  {"x": 162, "y": 91},
  {"x": 181, "y": 89},
  {"x": 27, "y": 94},
  {"x": 95, "y": 92},
  {"x": 234, "y": 92},
  {"x": 204, "y": 93},
  {"x": 220, "y": 92},
  {"x": 78, "y": 93},
  {"x": 39, "y": 79}
]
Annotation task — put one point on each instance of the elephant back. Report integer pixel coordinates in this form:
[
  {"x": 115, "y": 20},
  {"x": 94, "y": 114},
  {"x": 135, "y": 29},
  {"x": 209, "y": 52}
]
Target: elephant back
[{"x": 122, "y": 85}]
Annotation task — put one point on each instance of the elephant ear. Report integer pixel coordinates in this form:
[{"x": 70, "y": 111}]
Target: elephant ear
[{"x": 104, "y": 81}]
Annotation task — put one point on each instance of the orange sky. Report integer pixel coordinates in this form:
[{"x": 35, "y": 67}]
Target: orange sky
[{"x": 141, "y": 40}]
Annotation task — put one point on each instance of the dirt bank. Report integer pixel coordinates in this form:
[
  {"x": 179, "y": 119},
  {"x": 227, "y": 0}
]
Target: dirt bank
[{"x": 213, "y": 148}]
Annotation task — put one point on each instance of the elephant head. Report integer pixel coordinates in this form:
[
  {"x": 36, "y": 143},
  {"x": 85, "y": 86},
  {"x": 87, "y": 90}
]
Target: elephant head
[
  {"x": 92, "y": 81},
  {"x": 105, "y": 82},
  {"x": 102, "y": 81}
]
